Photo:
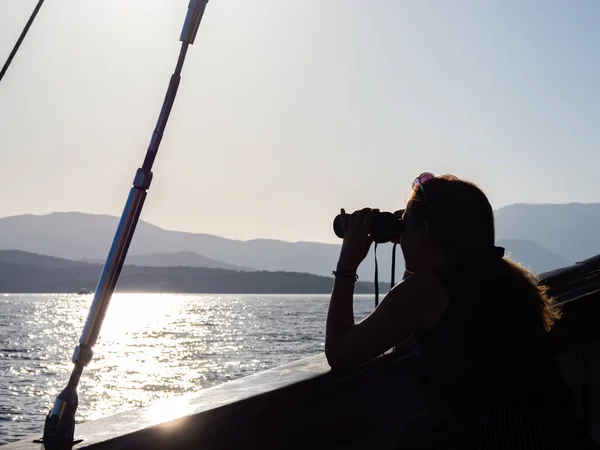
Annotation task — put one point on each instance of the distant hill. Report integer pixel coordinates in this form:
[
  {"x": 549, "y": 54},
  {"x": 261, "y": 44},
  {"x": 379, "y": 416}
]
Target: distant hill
[
  {"x": 569, "y": 230},
  {"x": 183, "y": 259},
  {"x": 79, "y": 236},
  {"x": 532, "y": 255},
  {"x": 36, "y": 261},
  {"x": 542, "y": 237},
  {"x": 42, "y": 274}
]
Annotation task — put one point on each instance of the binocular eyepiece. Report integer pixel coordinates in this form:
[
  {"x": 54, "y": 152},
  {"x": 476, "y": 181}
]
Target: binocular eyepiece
[{"x": 384, "y": 227}]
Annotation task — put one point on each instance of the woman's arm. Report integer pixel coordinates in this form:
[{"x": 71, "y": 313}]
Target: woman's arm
[
  {"x": 405, "y": 309},
  {"x": 409, "y": 307},
  {"x": 340, "y": 316}
]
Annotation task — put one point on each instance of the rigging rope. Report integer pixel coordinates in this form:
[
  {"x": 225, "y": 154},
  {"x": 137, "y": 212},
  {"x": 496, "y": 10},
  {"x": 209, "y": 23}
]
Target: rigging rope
[{"x": 20, "y": 40}]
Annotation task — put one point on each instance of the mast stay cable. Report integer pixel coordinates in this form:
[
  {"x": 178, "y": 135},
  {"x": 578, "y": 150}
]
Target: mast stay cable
[{"x": 20, "y": 40}]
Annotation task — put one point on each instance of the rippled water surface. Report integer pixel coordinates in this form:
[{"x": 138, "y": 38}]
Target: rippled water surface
[{"x": 151, "y": 346}]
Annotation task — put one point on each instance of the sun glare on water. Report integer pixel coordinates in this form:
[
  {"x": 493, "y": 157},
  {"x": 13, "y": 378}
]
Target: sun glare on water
[
  {"x": 155, "y": 351},
  {"x": 136, "y": 345},
  {"x": 128, "y": 314},
  {"x": 156, "y": 347}
]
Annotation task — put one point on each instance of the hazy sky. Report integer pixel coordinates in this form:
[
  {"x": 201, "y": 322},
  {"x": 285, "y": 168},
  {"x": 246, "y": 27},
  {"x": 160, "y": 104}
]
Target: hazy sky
[{"x": 289, "y": 109}]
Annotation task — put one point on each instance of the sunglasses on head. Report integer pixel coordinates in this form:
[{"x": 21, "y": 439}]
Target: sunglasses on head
[
  {"x": 423, "y": 179},
  {"x": 426, "y": 177}
]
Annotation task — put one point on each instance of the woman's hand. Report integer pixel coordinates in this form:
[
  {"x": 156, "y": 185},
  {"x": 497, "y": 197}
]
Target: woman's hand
[{"x": 355, "y": 247}]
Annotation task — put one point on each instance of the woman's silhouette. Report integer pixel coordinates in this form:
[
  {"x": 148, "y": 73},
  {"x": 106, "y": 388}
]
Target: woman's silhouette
[{"x": 480, "y": 321}]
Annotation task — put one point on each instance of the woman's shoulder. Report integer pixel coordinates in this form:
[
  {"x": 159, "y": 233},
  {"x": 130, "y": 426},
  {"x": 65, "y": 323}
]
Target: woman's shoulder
[
  {"x": 428, "y": 294},
  {"x": 465, "y": 279},
  {"x": 423, "y": 285}
]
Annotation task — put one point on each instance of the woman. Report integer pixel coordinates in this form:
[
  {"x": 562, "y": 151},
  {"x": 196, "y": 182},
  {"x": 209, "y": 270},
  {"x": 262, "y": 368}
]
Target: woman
[{"x": 479, "y": 319}]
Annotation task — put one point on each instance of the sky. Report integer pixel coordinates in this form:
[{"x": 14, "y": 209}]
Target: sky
[{"x": 290, "y": 109}]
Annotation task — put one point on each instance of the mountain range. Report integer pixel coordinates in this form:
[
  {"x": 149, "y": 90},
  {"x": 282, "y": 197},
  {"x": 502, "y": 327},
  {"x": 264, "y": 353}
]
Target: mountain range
[
  {"x": 541, "y": 237},
  {"x": 176, "y": 259},
  {"x": 32, "y": 273}
]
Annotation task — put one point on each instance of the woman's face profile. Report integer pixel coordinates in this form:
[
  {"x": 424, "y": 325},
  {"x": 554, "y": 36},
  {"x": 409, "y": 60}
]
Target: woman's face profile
[{"x": 412, "y": 241}]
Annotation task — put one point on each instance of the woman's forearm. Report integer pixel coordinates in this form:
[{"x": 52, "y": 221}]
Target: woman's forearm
[{"x": 340, "y": 316}]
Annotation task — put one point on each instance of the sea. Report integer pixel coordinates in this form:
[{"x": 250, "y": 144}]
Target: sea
[{"x": 151, "y": 347}]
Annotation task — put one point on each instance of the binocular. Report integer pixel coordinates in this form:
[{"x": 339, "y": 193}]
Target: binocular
[{"x": 384, "y": 227}]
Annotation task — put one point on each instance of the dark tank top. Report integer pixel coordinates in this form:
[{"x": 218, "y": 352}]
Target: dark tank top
[{"x": 488, "y": 348}]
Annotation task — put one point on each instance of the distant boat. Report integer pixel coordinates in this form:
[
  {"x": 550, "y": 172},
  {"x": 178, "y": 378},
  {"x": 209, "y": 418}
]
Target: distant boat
[{"x": 85, "y": 291}]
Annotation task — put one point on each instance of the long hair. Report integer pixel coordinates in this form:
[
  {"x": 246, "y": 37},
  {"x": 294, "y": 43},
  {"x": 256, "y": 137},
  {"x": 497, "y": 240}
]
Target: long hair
[{"x": 461, "y": 220}]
